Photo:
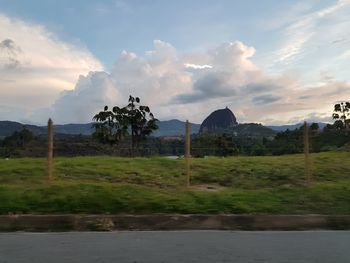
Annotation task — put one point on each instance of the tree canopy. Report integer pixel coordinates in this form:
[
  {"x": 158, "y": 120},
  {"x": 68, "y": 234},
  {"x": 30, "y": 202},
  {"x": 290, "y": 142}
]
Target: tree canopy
[
  {"x": 112, "y": 126},
  {"x": 342, "y": 113}
]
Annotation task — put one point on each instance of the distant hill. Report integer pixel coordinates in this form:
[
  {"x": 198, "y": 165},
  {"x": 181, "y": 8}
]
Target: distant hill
[
  {"x": 279, "y": 128},
  {"x": 174, "y": 128},
  {"x": 253, "y": 130},
  {"x": 166, "y": 128},
  {"x": 84, "y": 129},
  {"x": 9, "y": 127}
]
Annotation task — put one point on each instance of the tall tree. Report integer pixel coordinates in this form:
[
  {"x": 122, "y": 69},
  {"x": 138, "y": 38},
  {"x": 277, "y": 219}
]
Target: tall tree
[
  {"x": 342, "y": 113},
  {"x": 141, "y": 120},
  {"x": 112, "y": 126}
]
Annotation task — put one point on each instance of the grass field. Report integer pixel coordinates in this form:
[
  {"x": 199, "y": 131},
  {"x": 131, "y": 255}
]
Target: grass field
[{"x": 256, "y": 185}]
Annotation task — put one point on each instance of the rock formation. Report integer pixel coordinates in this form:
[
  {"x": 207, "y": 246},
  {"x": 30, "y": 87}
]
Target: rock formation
[{"x": 219, "y": 120}]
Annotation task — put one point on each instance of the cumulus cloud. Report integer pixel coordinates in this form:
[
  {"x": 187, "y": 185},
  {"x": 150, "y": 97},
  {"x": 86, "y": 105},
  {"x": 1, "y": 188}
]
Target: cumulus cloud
[
  {"x": 91, "y": 91},
  {"x": 210, "y": 86},
  {"x": 232, "y": 74},
  {"x": 35, "y": 66},
  {"x": 163, "y": 80},
  {"x": 229, "y": 68},
  {"x": 39, "y": 78},
  {"x": 156, "y": 77}
]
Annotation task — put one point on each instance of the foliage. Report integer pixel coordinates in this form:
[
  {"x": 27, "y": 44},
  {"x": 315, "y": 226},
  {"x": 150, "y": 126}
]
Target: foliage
[
  {"x": 207, "y": 144},
  {"x": 314, "y": 126},
  {"x": 289, "y": 142},
  {"x": 18, "y": 140},
  {"x": 110, "y": 126},
  {"x": 141, "y": 120},
  {"x": 342, "y": 113},
  {"x": 113, "y": 126}
]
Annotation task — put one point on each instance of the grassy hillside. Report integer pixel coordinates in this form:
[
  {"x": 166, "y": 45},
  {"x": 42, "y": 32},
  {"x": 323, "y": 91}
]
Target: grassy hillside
[{"x": 273, "y": 185}]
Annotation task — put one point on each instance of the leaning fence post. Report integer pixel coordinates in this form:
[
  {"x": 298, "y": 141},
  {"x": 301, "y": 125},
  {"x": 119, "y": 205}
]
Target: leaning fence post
[
  {"x": 188, "y": 154},
  {"x": 307, "y": 153},
  {"x": 49, "y": 150}
]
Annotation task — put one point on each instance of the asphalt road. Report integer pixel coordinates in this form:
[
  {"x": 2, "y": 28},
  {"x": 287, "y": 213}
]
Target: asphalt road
[{"x": 185, "y": 246}]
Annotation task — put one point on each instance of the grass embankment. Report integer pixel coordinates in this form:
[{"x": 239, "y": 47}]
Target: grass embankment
[{"x": 259, "y": 185}]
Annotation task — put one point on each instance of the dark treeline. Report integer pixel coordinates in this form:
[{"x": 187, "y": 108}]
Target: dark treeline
[
  {"x": 25, "y": 144},
  {"x": 330, "y": 138}
]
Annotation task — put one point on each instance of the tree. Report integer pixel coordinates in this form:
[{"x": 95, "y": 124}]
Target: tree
[
  {"x": 338, "y": 125},
  {"x": 16, "y": 141},
  {"x": 141, "y": 120},
  {"x": 19, "y": 138},
  {"x": 314, "y": 126},
  {"x": 342, "y": 113},
  {"x": 110, "y": 126},
  {"x": 113, "y": 126}
]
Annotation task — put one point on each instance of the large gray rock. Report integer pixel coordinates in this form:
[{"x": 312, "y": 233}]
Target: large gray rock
[{"x": 218, "y": 120}]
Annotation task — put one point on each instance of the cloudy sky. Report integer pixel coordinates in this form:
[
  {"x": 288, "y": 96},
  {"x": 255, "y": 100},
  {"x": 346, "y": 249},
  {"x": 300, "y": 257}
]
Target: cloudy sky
[{"x": 273, "y": 62}]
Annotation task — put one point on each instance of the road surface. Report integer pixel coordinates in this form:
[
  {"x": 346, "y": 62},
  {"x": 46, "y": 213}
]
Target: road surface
[{"x": 179, "y": 246}]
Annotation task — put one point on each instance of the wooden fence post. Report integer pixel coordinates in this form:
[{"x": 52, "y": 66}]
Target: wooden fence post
[
  {"x": 188, "y": 154},
  {"x": 49, "y": 150},
  {"x": 307, "y": 153}
]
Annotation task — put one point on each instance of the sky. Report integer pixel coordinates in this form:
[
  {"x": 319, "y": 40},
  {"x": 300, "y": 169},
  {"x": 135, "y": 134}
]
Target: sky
[{"x": 272, "y": 62}]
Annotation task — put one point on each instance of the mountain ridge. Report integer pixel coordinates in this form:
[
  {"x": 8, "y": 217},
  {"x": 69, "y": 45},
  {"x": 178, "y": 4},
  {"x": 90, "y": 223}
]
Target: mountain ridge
[
  {"x": 173, "y": 127},
  {"x": 284, "y": 127}
]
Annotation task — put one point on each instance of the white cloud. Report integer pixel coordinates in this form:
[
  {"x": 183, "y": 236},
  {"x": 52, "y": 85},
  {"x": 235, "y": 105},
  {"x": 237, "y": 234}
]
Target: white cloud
[
  {"x": 92, "y": 91},
  {"x": 155, "y": 77},
  {"x": 162, "y": 80},
  {"x": 195, "y": 66},
  {"x": 35, "y": 66},
  {"x": 232, "y": 75},
  {"x": 38, "y": 73}
]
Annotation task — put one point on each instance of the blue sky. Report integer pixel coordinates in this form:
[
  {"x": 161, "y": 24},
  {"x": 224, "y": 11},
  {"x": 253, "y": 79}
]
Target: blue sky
[
  {"x": 108, "y": 27},
  {"x": 290, "y": 49}
]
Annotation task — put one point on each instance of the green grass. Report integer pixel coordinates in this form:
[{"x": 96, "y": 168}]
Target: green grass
[{"x": 256, "y": 185}]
